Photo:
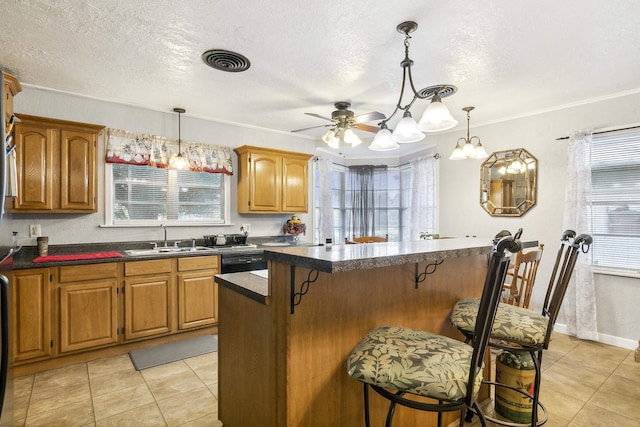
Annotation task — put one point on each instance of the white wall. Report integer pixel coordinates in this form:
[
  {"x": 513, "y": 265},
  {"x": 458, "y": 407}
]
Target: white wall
[
  {"x": 72, "y": 228},
  {"x": 461, "y": 214}
]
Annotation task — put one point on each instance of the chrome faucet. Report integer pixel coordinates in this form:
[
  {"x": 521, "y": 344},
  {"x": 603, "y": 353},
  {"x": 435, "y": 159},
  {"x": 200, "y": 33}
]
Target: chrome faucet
[{"x": 164, "y": 228}]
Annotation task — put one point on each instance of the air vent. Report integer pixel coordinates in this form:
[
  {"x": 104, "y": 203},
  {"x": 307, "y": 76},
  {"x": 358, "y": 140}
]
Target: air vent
[{"x": 225, "y": 60}]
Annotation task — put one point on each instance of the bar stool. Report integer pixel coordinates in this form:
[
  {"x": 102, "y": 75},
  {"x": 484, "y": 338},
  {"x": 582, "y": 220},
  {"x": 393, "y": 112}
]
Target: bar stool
[
  {"x": 399, "y": 362},
  {"x": 517, "y": 329},
  {"x": 366, "y": 239}
]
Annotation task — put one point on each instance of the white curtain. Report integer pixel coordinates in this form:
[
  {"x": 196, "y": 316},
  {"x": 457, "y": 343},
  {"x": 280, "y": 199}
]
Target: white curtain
[
  {"x": 326, "y": 210},
  {"x": 422, "y": 215},
  {"x": 579, "y": 305}
]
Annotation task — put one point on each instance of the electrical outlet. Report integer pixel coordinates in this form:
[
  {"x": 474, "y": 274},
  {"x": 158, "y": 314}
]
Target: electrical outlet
[
  {"x": 34, "y": 230},
  {"x": 246, "y": 228}
]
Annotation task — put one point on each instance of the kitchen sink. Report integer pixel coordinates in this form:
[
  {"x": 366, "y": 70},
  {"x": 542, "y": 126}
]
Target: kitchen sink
[{"x": 169, "y": 250}]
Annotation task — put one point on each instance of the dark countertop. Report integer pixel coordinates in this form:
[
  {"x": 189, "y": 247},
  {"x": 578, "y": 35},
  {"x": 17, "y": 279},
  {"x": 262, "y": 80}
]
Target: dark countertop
[
  {"x": 340, "y": 258},
  {"x": 247, "y": 284},
  {"x": 24, "y": 258}
]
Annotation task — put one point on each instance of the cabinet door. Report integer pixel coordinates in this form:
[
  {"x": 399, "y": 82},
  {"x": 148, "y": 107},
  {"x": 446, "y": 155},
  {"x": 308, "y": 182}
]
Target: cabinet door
[
  {"x": 88, "y": 314},
  {"x": 265, "y": 181},
  {"x": 34, "y": 151},
  {"x": 294, "y": 185},
  {"x": 197, "y": 299},
  {"x": 77, "y": 171},
  {"x": 31, "y": 316},
  {"x": 148, "y": 305}
]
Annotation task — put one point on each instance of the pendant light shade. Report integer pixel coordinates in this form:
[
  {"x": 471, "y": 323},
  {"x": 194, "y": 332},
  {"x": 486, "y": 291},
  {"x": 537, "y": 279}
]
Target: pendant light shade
[{"x": 178, "y": 161}]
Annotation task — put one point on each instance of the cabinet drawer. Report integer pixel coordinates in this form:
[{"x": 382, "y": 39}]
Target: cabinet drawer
[
  {"x": 154, "y": 266},
  {"x": 198, "y": 263},
  {"x": 77, "y": 273}
]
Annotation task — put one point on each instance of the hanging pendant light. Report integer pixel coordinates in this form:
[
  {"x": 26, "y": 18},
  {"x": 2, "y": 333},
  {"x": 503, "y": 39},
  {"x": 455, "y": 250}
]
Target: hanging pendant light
[
  {"x": 177, "y": 161},
  {"x": 435, "y": 118},
  {"x": 464, "y": 146}
]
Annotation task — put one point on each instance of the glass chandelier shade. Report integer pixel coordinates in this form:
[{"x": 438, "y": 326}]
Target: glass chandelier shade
[
  {"x": 436, "y": 116},
  {"x": 383, "y": 141},
  {"x": 407, "y": 131},
  {"x": 178, "y": 161}
]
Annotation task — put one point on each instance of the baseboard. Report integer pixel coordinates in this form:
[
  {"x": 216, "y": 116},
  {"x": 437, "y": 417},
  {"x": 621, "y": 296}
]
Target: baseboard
[{"x": 604, "y": 338}]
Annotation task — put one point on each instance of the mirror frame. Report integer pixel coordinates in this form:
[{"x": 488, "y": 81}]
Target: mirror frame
[{"x": 521, "y": 187}]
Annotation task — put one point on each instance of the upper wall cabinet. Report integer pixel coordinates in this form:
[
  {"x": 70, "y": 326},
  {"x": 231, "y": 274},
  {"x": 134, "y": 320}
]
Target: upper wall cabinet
[
  {"x": 11, "y": 88},
  {"x": 56, "y": 165},
  {"x": 272, "y": 181}
]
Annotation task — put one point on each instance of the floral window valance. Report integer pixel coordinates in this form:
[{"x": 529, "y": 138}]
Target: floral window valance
[{"x": 151, "y": 150}]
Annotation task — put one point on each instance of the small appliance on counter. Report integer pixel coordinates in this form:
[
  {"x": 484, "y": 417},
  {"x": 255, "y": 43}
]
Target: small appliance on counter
[{"x": 225, "y": 240}]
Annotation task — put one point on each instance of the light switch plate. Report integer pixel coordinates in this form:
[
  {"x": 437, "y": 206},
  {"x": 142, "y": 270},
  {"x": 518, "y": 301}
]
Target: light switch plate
[{"x": 34, "y": 230}]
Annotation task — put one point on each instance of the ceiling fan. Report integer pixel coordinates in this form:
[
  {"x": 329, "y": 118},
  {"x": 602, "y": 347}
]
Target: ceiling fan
[{"x": 343, "y": 122}]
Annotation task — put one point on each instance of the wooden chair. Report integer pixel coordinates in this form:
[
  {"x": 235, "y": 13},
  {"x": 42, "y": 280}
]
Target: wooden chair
[
  {"x": 403, "y": 365},
  {"x": 366, "y": 239},
  {"x": 522, "y": 276},
  {"x": 520, "y": 330}
]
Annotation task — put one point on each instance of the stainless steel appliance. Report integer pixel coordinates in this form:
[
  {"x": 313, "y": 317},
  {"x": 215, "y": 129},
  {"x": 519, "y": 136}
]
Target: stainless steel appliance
[
  {"x": 235, "y": 253},
  {"x": 7, "y": 249}
]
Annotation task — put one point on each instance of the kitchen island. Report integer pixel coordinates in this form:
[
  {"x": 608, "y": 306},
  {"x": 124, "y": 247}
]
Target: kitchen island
[{"x": 284, "y": 340}]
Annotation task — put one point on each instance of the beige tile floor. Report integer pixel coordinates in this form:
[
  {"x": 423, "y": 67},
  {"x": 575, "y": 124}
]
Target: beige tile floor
[
  {"x": 584, "y": 384},
  {"x": 110, "y": 392}
]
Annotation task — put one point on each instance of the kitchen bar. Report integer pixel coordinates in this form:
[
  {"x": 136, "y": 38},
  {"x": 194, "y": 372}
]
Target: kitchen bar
[{"x": 281, "y": 357}]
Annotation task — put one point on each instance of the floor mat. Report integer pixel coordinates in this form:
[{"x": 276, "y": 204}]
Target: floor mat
[{"x": 171, "y": 352}]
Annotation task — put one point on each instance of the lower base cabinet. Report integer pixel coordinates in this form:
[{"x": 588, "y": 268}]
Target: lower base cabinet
[
  {"x": 148, "y": 298},
  {"x": 197, "y": 292},
  {"x": 69, "y": 309},
  {"x": 31, "y": 320},
  {"x": 88, "y": 304}
]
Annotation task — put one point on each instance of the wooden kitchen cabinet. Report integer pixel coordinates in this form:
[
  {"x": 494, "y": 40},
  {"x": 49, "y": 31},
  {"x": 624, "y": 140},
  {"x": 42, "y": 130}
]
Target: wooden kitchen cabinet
[
  {"x": 149, "y": 307},
  {"x": 56, "y": 165},
  {"x": 31, "y": 292},
  {"x": 197, "y": 291},
  {"x": 88, "y": 306},
  {"x": 272, "y": 181},
  {"x": 11, "y": 88}
]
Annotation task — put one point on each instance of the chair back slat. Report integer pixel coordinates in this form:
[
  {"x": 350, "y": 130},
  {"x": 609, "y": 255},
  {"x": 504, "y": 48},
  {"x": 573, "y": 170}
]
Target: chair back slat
[
  {"x": 496, "y": 273},
  {"x": 570, "y": 248}
]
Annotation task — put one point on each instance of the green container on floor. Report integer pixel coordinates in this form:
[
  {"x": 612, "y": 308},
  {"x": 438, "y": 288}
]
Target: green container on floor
[{"x": 515, "y": 369}]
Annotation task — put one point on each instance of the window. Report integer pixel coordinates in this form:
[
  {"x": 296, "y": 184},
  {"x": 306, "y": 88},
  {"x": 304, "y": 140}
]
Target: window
[
  {"x": 145, "y": 195},
  {"x": 390, "y": 187},
  {"x": 615, "y": 210}
]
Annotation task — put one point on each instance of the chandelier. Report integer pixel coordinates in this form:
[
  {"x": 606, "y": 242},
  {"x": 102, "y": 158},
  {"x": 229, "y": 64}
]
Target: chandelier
[
  {"x": 436, "y": 116},
  {"x": 467, "y": 150}
]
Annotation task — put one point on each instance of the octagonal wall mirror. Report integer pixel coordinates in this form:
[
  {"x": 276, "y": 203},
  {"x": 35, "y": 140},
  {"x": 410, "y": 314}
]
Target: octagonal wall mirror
[{"x": 508, "y": 182}]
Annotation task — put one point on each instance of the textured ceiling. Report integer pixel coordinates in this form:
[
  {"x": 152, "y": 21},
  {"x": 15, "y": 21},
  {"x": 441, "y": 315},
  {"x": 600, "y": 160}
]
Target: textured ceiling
[{"x": 508, "y": 58}]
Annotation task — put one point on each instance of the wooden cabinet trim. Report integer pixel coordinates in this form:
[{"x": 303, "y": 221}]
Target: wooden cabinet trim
[
  {"x": 198, "y": 263},
  {"x": 136, "y": 268},
  {"x": 76, "y": 273}
]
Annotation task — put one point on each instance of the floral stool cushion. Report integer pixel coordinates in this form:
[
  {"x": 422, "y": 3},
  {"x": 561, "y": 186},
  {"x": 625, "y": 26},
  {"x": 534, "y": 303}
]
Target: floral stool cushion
[
  {"x": 515, "y": 324},
  {"x": 413, "y": 361}
]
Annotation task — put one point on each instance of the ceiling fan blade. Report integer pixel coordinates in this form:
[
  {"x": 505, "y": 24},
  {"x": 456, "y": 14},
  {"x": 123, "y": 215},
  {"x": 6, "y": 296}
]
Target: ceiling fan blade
[
  {"x": 312, "y": 127},
  {"x": 367, "y": 128},
  {"x": 319, "y": 116},
  {"x": 369, "y": 117}
]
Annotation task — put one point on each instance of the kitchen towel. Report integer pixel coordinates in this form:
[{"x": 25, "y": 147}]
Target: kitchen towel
[{"x": 76, "y": 257}]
